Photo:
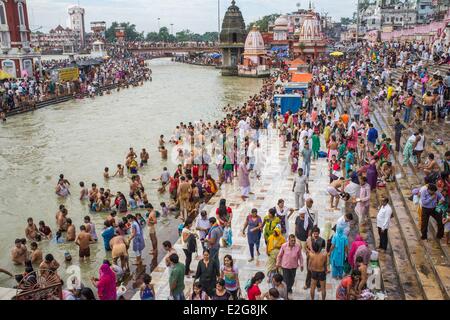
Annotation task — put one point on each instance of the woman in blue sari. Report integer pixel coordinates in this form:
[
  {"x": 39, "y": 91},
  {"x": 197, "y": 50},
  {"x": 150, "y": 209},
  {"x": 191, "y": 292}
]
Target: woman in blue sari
[
  {"x": 349, "y": 161},
  {"x": 138, "y": 238},
  {"x": 338, "y": 252}
]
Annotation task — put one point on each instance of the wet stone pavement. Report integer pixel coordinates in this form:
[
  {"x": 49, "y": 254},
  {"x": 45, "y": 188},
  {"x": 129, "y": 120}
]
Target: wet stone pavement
[{"x": 275, "y": 183}]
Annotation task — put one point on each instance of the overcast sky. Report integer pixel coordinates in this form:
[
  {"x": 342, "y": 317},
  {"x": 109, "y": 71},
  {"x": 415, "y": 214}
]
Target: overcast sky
[{"x": 197, "y": 15}]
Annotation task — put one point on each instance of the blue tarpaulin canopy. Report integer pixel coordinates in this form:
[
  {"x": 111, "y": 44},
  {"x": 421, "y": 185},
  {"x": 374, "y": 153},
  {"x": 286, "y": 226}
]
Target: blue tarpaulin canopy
[
  {"x": 280, "y": 48},
  {"x": 288, "y": 102},
  {"x": 215, "y": 55}
]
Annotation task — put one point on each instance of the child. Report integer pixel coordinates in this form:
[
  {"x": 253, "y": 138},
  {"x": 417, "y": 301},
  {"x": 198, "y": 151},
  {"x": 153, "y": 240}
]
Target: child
[
  {"x": 140, "y": 219},
  {"x": 164, "y": 209},
  {"x": 361, "y": 151},
  {"x": 133, "y": 166},
  {"x": 106, "y": 173},
  {"x": 147, "y": 290}
]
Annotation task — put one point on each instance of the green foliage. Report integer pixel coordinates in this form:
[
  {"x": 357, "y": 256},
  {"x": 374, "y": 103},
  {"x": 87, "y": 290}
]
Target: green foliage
[
  {"x": 264, "y": 22},
  {"x": 163, "y": 35},
  {"x": 130, "y": 32}
]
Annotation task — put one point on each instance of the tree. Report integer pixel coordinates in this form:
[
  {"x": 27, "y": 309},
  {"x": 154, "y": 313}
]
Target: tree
[
  {"x": 164, "y": 34},
  {"x": 130, "y": 32},
  {"x": 264, "y": 22},
  {"x": 210, "y": 36},
  {"x": 110, "y": 33},
  {"x": 184, "y": 35},
  {"x": 152, "y": 37}
]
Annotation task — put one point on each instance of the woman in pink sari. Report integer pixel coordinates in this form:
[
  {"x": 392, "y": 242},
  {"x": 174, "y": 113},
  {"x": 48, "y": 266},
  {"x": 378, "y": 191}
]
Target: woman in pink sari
[
  {"x": 106, "y": 285},
  {"x": 365, "y": 107},
  {"x": 352, "y": 140},
  {"x": 355, "y": 245}
]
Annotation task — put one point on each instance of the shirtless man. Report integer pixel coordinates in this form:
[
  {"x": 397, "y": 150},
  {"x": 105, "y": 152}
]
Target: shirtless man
[
  {"x": 112, "y": 218},
  {"x": 131, "y": 154},
  {"x": 161, "y": 142},
  {"x": 49, "y": 263},
  {"x": 334, "y": 189},
  {"x": 84, "y": 193},
  {"x": 151, "y": 222},
  {"x": 119, "y": 171},
  {"x": 106, "y": 173},
  {"x": 61, "y": 219},
  {"x": 36, "y": 254},
  {"x": 318, "y": 267},
  {"x": 184, "y": 192},
  {"x": 134, "y": 185},
  {"x": 388, "y": 171},
  {"x": 361, "y": 267},
  {"x": 31, "y": 231},
  {"x": 163, "y": 152},
  {"x": 93, "y": 193},
  {"x": 19, "y": 253},
  {"x": 71, "y": 232},
  {"x": 430, "y": 166},
  {"x": 144, "y": 157},
  {"x": 119, "y": 248},
  {"x": 83, "y": 241}
]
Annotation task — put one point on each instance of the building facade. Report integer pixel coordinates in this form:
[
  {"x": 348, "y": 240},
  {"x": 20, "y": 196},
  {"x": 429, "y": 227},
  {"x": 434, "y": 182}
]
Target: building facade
[
  {"x": 255, "y": 62},
  {"x": 17, "y": 57},
  {"x": 312, "y": 42},
  {"x": 76, "y": 14},
  {"x": 59, "y": 38}
]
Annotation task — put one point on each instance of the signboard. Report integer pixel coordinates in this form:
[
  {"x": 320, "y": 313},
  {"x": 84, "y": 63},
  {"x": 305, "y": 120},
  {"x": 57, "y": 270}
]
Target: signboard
[
  {"x": 68, "y": 74},
  {"x": 27, "y": 67},
  {"x": 9, "y": 67}
]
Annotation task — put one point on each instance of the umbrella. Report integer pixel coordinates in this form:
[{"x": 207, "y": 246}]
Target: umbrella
[
  {"x": 336, "y": 54},
  {"x": 4, "y": 75}
]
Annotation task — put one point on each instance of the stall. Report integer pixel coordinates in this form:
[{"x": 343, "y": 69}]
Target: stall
[{"x": 289, "y": 102}]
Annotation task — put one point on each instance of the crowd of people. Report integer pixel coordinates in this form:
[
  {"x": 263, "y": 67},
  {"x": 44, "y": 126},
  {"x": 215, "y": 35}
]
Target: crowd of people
[
  {"x": 360, "y": 161},
  {"x": 119, "y": 71}
]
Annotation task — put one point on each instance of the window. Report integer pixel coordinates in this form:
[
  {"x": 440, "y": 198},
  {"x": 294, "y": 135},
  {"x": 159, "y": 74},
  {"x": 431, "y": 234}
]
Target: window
[
  {"x": 234, "y": 37},
  {"x": 21, "y": 14},
  {"x": 2, "y": 14},
  {"x": 4, "y": 39},
  {"x": 373, "y": 21}
]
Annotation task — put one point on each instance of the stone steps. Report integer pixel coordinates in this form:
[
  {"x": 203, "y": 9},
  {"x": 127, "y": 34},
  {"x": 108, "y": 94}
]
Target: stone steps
[
  {"x": 431, "y": 270},
  {"x": 396, "y": 260},
  {"x": 414, "y": 179},
  {"x": 389, "y": 263},
  {"x": 436, "y": 254},
  {"x": 439, "y": 151}
]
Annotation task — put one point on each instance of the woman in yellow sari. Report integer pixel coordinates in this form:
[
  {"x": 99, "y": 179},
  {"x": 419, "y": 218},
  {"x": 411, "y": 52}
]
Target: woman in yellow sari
[{"x": 274, "y": 243}]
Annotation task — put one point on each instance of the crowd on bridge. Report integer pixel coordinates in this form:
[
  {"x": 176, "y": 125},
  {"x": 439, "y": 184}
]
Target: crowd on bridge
[{"x": 336, "y": 124}]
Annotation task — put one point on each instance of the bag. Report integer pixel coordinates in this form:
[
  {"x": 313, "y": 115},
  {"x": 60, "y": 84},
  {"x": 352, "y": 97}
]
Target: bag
[
  {"x": 347, "y": 267},
  {"x": 191, "y": 243},
  {"x": 322, "y": 154},
  {"x": 248, "y": 284}
]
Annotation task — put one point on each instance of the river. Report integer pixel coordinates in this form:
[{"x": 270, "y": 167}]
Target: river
[{"x": 80, "y": 138}]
